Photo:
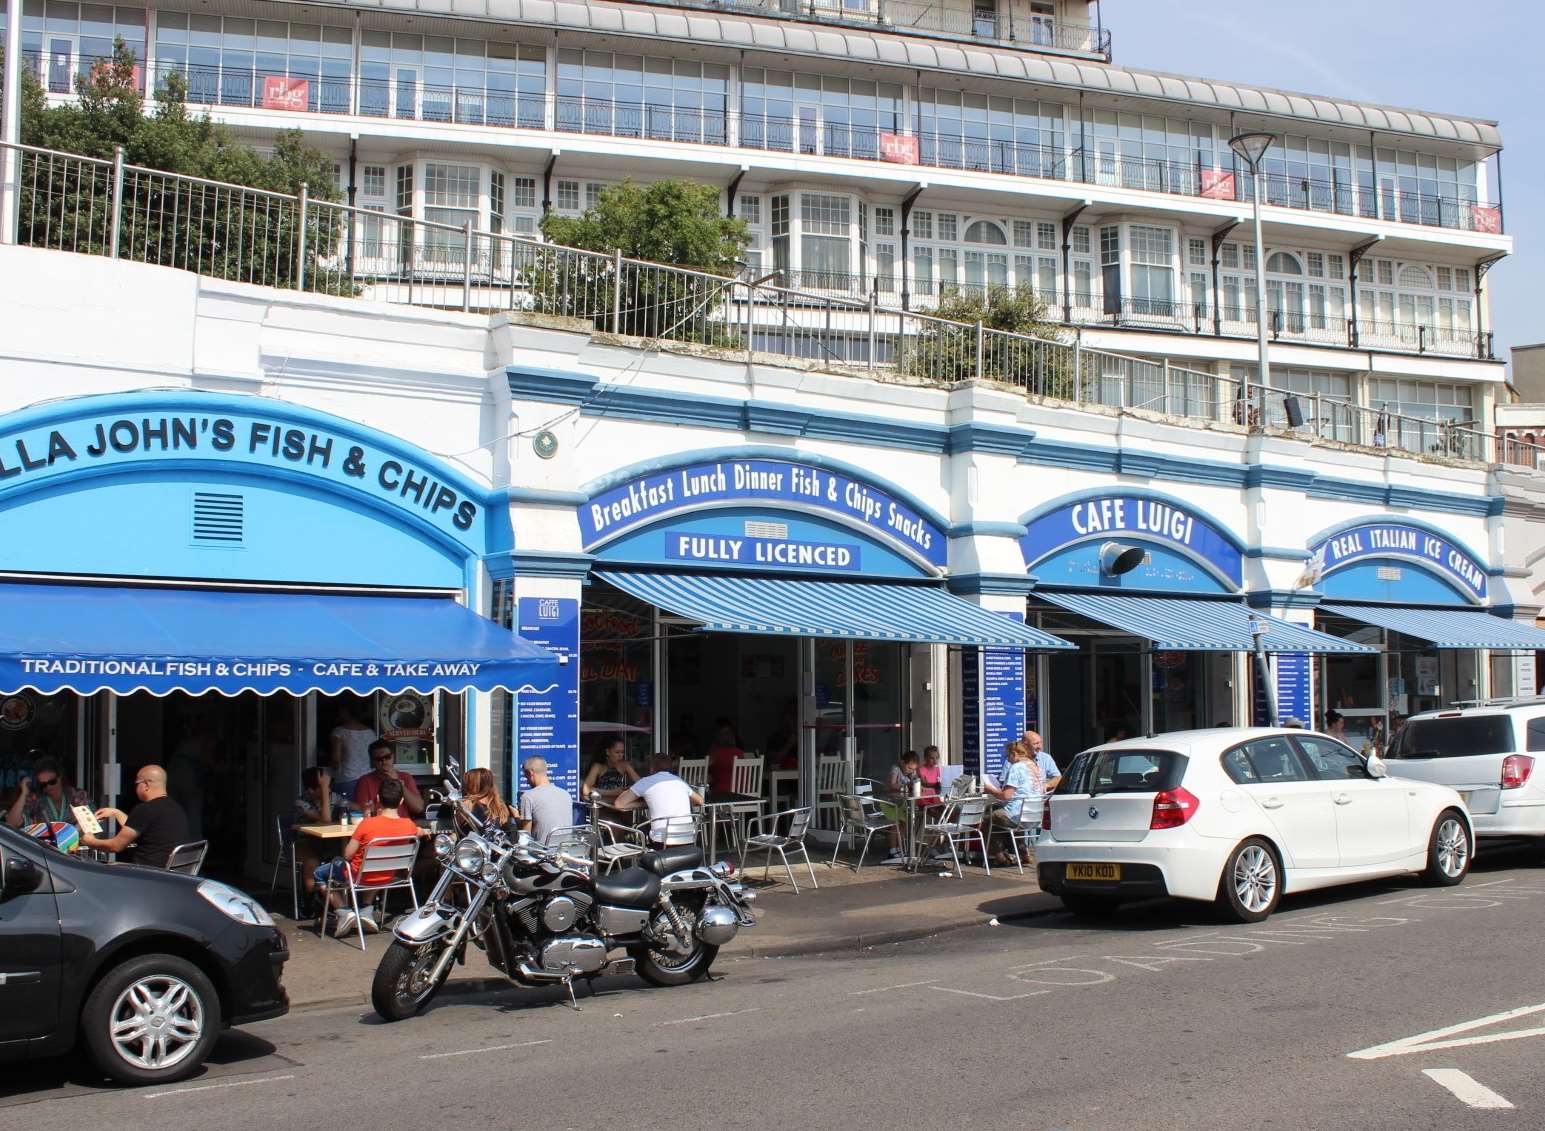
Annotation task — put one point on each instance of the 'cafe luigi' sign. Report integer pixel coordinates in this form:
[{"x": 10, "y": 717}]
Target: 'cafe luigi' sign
[
  {"x": 1137, "y": 516},
  {"x": 68, "y": 445},
  {"x": 648, "y": 498},
  {"x": 1401, "y": 540}
]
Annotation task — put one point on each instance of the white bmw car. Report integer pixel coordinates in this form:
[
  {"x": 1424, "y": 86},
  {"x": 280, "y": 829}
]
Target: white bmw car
[{"x": 1240, "y": 816}]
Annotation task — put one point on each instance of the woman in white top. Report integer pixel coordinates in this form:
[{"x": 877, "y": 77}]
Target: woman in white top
[{"x": 351, "y": 747}]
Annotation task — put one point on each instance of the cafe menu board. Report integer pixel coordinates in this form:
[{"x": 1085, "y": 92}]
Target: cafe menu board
[
  {"x": 1003, "y": 704},
  {"x": 1293, "y": 676},
  {"x": 547, "y": 722}
]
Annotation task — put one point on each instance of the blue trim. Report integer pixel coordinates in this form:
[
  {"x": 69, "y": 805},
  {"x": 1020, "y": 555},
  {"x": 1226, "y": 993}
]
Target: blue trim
[
  {"x": 759, "y": 451},
  {"x": 1016, "y": 442},
  {"x": 987, "y": 530},
  {"x": 541, "y": 563},
  {"x": 1284, "y": 598},
  {"x": 1013, "y": 584},
  {"x": 1279, "y": 553},
  {"x": 554, "y": 386},
  {"x": 1263, "y": 475},
  {"x": 665, "y": 408},
  {"x": 1100, "y": 490},
  {"x": 1049, "y": 453},
  {"x": 1394, "y": 520},
  {"x": 542, "y": 497},
  {"x": 1178, "y": 470}
]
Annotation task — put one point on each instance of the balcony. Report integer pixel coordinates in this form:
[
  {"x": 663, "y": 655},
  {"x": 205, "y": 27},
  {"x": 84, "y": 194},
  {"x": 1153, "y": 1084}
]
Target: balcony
[
  {"x": 1357, "y": 195},
  {"x": 937, "y": 20}
]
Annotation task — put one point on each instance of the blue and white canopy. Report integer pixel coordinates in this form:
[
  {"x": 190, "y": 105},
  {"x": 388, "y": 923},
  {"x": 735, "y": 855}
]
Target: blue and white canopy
[
  {"x": 125, "y": 639},
  {"x": 1447, "y": 628},
  {"x": 853, "y": 610},
  {"x": 1198, "y": 624}
]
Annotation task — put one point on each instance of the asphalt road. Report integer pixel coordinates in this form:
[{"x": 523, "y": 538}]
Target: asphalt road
[{"x": 1161, "y": 1017}]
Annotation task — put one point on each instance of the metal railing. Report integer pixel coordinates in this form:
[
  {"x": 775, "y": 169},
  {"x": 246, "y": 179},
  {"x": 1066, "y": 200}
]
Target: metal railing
[{"x": 224, "y": 231}]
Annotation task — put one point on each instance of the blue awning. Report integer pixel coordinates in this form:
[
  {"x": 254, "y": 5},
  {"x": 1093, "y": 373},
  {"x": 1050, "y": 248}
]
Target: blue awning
[
  {"x": 1197, "y": 624},
  {"x": 1447, "y": 628},
  {"x": 853, "y": 610},
  {"x": 87, "y": 638}
]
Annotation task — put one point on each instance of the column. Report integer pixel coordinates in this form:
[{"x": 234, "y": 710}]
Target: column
[{"x": 546, "y": 721}]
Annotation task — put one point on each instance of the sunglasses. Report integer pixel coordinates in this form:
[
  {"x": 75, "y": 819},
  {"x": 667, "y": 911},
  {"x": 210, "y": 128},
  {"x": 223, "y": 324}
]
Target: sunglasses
[
  {"x": 45, "y": 784},
  {"x": 382, "y": 758}
]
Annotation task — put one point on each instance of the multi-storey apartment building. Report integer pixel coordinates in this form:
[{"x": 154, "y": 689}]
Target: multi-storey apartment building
[{"x": 896, "y": 149}]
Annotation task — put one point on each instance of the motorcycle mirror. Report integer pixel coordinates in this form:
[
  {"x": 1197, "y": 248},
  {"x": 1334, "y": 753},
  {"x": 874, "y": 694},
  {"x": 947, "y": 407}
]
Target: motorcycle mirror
[{"x": 453, "y": 773}]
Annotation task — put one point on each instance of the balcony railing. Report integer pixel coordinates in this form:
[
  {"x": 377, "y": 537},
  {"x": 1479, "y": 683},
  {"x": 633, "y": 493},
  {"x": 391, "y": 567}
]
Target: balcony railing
[
  {"x": 921, "y": 18},
  {"x": 84, "y": 205},
  {"x": 485, "y": 105}
]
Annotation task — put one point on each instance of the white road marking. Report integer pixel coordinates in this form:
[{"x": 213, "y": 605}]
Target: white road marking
[
  {"x": 711, "y": 1016},
  {"x": 485, "y": 1048},
  {"x": 1466, "y": 1089},
  {"x": 899, "y": 986},
  {"x": 1439, "y": 1038},
  {"x": 212, "y": 1087},
  {"x": 989, "y": 997}
]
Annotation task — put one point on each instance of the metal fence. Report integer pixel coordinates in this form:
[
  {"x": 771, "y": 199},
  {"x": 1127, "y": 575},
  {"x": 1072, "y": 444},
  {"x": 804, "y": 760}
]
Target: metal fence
[{"x": 82, "y": 204}]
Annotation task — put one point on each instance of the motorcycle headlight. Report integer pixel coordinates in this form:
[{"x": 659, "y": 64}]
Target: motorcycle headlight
[
  {"x": 445, "y": 844},
  {"x": 490, "y": 872},
  {"x": 238, "y": 905},
  {"x": 469, "y": 856}
]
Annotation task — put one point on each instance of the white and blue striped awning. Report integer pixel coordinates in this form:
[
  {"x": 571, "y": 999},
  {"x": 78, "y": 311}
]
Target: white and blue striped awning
[
  {"x": 1197, "y": 624},
  {"x": 853, "y": 610},
  {"x": 1447, "y": 628}
]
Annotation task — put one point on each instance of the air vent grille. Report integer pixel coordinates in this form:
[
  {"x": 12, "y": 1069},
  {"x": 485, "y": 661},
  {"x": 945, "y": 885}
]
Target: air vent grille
[
  {"x": 1389, "y": 573},
  {"x": 755, "y": 529},
  {"x": 218, "y": 519}
]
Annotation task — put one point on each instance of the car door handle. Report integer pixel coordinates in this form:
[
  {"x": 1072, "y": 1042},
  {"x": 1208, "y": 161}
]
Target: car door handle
[
  {"x": 1342, "y": 799},
  {"x": 1272, "y": 803}
]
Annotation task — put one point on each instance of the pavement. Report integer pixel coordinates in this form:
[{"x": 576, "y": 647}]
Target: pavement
[
  {"x": 848, "y": 911},
  {"x": 1383, "y": 1005}
]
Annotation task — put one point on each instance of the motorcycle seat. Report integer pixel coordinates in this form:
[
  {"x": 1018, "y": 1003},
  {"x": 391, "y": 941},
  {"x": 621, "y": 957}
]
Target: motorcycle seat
[
  {"x": 664, "y": 861},
  {"x": 631, "y": 887}
]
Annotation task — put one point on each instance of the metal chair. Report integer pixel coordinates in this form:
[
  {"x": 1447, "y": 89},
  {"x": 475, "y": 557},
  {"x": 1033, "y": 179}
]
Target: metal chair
[
  {"x": 859, "y": 815},
  {"x": 619, "y": 845},
  {"x": 960, "y": 823},
  {"x": 674, "y": 831},
  {"x": 964, "y": 786},
  {"x": 770, "y": 841},
  {"x": 187, "y": 858},
  {"x": 832, "y": 778},
  {"x": 284, "y": 831},
  {"x": 1028, "y": 829},
  {"x": 693, "y": 771},
  {"x": 392, "y": 857}
]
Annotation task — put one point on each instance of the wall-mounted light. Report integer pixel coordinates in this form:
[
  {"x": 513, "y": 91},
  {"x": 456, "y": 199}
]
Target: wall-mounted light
[{"x": 1117, "y": 559}]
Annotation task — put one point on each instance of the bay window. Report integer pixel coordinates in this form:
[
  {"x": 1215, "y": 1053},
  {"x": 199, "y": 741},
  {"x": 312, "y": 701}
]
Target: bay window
[
  {"x": 451, "y": 197},
  {"x": 1153, "y": 270}
]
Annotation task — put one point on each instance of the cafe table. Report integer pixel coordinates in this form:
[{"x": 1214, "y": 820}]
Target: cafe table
[
  {"x": 715, "y": 800},
  {"x": 337, "y": 831},
  {"x": 913, "y": 812}
]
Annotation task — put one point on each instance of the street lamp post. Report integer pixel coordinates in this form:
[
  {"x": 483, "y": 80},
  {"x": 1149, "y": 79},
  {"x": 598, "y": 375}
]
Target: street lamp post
[
  {"x": 1258, "y": 629},
  {"x": 1251, "y": 148}
]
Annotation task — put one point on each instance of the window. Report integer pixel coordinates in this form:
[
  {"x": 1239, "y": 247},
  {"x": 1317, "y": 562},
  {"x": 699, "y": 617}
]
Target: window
[
  {"x": 405, "y": 190},
  {"x": 1228, "y": 256},
  {"x": 1536, "y": 730},
  {"x": 805, "y": 113},
  {"x": 780, "y": 234},
  {"x": 885, "y": 221},
  {"x": 523, "y": 192},
  {"x": 825, "y": 238},
  {"x": 496, "y": 202},
  {"x": 749, "y": 209},
  {"x": 1024, "y": 233},
  {"x": 922, "y": 225},
  {"x": 374, "y": 182},
  {"x": 1081, "y": 239},
  {"x": 1273, "y": 761},
  {"x": 407, "y": 75},
  {"x": 1236, "y": 764},
  {"x": 226, "y": 60},
  {"x": 1127, "y": 771},
  {"x": 1153, "y": 272},
  {"x": 1046, "y": 235},
  {"x": 983, "y": 231},
  {"x": 568, "y": 196},
  {"x": 624, "y": 95},
  {"x": 593, "y": 191},
  {"x": 1196, "y": 252},
  {"x": 1110, "y": 268},
  {"x": 1331, "y": 760},
  {"x": 1316, "y": 264},
  {"x": 922, "y": 270},
  {"x": 1456, "y": 738},
  {"x": 949, "y": 267},
  {"x": 450, "y": 197},
  {"x": 948, "y": 229}
]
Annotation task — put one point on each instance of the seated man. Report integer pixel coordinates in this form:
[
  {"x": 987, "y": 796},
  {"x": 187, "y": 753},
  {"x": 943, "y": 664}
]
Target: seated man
[
  {"x": 383, "y": 768},
  {"x": 543, "y": 805},
  {"x": 154, "y": 827},
  {"x": 669, "y": 800},
  {"x": 389, "y": 822}
]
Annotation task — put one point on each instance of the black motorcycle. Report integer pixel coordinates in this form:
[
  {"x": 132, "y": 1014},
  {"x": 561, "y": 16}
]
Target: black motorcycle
[{"x": 545, "y": 917}]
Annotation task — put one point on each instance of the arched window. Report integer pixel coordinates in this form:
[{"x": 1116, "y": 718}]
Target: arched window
[
  {"x": 1414, "y": 278},
  {"x": 1285, "y": 294},
  {"x": 984, "y": 231},
  {"x": 1281, "y": 263}
]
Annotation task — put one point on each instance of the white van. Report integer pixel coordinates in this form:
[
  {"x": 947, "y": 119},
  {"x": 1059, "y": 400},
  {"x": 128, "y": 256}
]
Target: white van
[{"x": 1492, "y": 755}]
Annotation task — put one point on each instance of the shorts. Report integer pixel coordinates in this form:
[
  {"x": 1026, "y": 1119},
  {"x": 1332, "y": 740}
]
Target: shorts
[{"x": 337, "y": 866}]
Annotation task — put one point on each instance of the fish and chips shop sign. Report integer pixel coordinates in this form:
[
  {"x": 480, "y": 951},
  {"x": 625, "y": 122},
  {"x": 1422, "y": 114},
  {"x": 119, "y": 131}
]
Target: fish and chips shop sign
[{"x": 31, "y": 456}]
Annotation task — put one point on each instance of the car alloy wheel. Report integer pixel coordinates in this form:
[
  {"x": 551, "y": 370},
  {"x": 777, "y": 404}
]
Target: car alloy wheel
[
  {"x": 157, "y": 1022},
  {"x": 1255, "y": 878},
  {"x": 1453, "y": 848}
]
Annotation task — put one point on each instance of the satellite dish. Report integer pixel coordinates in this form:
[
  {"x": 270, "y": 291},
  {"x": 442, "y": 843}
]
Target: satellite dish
[{"x": 1116, "y": 559}]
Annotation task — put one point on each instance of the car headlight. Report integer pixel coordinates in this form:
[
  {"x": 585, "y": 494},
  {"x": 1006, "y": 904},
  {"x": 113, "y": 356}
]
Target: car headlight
[
  {"x": 236, "y": 904},
  {"x": 469, "y": 856},
  {"x": 445, "y": 844}
]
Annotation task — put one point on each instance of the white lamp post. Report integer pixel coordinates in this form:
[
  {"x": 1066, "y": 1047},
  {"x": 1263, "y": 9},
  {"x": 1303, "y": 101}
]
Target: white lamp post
[
  {"x": 1258, "y": 629},
  {"x": 1250, "y": 148}
]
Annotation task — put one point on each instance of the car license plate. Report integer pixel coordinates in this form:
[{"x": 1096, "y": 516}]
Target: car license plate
[{"x": 1107, "y": 872}]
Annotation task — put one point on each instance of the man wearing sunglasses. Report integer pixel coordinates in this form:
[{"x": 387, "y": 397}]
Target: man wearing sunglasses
[
  {"x": 383, "y": 768},
  {"x": 45, "y": 796},
  {"x": 155, "y": 826}
]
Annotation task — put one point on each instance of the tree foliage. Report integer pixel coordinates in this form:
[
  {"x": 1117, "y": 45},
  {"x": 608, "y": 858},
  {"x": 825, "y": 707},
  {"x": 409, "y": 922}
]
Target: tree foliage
[
  {"x": 1021, "y": 342},
  {"x": 222, "y": 232},
  {"x": 672, "y": 222}
]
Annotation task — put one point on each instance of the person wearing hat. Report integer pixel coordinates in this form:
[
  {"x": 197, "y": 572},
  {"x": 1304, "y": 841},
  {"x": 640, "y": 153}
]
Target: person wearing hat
[{"x": 45, "y": 796}]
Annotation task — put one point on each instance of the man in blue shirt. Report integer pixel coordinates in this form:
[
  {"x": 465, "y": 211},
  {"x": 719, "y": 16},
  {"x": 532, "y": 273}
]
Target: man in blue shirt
[{"x": 1050, "y": 774}]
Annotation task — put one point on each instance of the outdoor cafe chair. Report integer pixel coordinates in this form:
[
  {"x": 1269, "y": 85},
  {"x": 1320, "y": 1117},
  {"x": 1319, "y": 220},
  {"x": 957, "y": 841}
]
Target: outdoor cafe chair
[
  {"x": 693, "y": 771},
  {"x": 960, "y": 823},
  {"x": 391, "y": 856},
  {"x": 860, "y": 816},
  {"x": 831, "y": 780},
  {"x": 187, "y": 858},
  {"x": 284, "y": 830},
  {"x": 762, "y": 836},
  {"x": 619, "y": 845},
  {"x": 1028, "y": 831}
]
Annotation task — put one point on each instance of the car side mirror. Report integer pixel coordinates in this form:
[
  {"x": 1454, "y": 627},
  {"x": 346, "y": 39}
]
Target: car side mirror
[
  {"x": 1376, "y": 767},
  {"x": 19, "y": 877}
]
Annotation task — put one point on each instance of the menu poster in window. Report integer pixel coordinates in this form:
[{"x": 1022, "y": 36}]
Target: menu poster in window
[
  {"x": 547, "y": 722},
  {"x": 1293, "y": 680},
  {"x": 971, "y": 710},
  {"x": 406, "y": 719},
  {"x": 1003, "y": 705}
]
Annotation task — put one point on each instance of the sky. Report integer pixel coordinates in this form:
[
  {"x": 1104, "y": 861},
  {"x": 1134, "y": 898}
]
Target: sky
[{"x": 1480, "y": 59}]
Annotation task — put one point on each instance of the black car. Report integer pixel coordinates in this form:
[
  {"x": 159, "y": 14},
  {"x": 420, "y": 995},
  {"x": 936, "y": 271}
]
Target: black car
[{"x": 142, "y": 967}]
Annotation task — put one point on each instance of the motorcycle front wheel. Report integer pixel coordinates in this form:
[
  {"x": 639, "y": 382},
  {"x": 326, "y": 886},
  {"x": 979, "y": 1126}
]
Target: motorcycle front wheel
[
  {"x": 404, "y": 981},
  {"x": 660, "y": 964}
]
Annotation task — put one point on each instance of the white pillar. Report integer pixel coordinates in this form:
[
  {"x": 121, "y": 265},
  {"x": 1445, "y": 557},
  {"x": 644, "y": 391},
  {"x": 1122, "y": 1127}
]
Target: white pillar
[{"x": 10, "y": 129}]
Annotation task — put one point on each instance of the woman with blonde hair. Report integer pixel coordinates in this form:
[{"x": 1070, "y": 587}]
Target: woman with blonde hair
[{"x": 481, "y": 794}]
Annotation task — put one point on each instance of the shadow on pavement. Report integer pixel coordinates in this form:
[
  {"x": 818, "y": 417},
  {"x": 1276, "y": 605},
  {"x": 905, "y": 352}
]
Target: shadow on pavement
[{"x": 236, "y": 1053}]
